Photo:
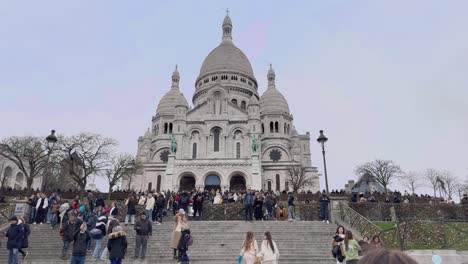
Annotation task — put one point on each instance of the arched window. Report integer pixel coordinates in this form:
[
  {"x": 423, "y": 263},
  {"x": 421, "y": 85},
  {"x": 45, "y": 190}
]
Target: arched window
[
  {"x": 278, "y": 182},
  {"x": 166, "y": 128},
  {"x": 271, "y": 127},
  {"x": 158, "y": 184},
  {"x": 269, "y": 186},
  {"x": 216, "y": 134},
  {"x": 243, "y": 105},
  {"x": 238, "y": 150},
  {"x": 150, "y": 186},
  {"x": 286, "y": 186},
  {"x": 276, "y": 127},
  {"x": 263, "y": 128},
  {"x": 170, "y": 128},
  {"x": 156, "y": 130},
  {"x": 234, "y": 101},
  {"x": 194, "y": 151},
  {"x": 285, "y": 129}
]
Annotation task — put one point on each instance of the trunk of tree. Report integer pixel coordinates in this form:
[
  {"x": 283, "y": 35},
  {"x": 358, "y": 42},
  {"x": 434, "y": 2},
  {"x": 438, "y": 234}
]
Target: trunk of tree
[
  {"x": 110, "y": 192},
  {"x": 29, "y": 182},
  {"x": 82, "y": 191}
]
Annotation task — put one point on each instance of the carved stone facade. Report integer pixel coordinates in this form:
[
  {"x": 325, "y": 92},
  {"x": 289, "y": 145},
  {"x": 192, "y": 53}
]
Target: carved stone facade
[{"x": 215, "y": 138}]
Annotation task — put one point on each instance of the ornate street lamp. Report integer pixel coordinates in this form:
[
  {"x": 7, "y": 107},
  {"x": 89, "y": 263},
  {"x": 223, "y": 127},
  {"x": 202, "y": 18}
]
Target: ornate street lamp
[
  {"x": 51, "y": 140},
  {"x": 322, "y": 139}
]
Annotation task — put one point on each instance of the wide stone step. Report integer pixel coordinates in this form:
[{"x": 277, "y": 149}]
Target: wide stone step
[{"x": 298, "y": 242}]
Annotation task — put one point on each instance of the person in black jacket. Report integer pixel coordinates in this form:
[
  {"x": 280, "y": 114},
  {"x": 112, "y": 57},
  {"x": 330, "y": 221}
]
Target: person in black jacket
[
  {"x": 101, "y": 225},
  {"x": 67, "y": 231},
  {"x": 131, "y": 203},
  {"x": 143, "y": 229},
  {"x": 100, "y": 205},
  {"x": 117, "y": 245},
  {"x": 114, "y": 211},
  {"x": 80, "y": 244},
  {"x": 324, "y": 202},
  {"x": 198, "y": 205},
  {"x": 27, "y": 232},
  {"x": 15, "y": 237},
  {"x": 183, "y": 246},
  {"x": 160, "y": 203}
]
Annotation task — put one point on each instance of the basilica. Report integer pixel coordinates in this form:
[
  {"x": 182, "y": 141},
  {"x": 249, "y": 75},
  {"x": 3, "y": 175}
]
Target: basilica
[{"x": 231, "y": 138}]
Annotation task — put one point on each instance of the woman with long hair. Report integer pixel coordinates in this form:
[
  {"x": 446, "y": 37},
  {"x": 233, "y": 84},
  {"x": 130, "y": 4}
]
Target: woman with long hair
[
  {"x": 337, "y": 238},
  {"x": 249, "y": 248},
  {"x": 180, "y": 224},
  {"x": 376, "y": 243},
  {"x": 269, "y": 252},
  {"x": 351, "y": 248}
]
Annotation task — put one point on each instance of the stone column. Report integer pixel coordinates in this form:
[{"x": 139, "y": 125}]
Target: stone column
[{"x": 170, "y": 181}]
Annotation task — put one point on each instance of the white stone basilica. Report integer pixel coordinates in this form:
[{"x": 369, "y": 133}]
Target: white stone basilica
[{"x": 231, "y": 138}]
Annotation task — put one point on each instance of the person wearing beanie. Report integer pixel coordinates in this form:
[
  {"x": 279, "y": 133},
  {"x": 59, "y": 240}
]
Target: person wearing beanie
[
  {"x": 117, "y": 245},
  {"x": 25, "y": 241},
  {"x": 100, "y": 225},
  {"x": 15, "y": 239}
]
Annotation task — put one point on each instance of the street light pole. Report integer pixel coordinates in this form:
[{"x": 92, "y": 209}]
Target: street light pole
[{"x": 322, "y": 139}]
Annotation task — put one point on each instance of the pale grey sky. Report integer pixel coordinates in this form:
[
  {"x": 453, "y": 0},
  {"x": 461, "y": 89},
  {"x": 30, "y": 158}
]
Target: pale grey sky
[{"x": 384, "y": 79}]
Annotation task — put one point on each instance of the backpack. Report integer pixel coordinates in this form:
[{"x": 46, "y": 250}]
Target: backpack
[{"x": 96, "y": 233}]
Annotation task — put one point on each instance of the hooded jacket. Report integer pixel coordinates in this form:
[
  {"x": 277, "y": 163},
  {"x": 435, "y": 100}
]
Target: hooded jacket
[
  {"x": 15, "y": 236},
  {"x": 117, "y": 245}
]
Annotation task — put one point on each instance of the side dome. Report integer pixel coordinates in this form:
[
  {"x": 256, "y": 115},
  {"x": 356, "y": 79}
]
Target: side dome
[
  {"x": 170, "y": 101},
  {"x": 226, "y": 57},
  {"x": 272, "y": 101},
  {"x": 173, "y": 98}
]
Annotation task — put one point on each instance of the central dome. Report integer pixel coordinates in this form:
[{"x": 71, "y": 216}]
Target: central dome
[{"x": 226, "y": 57}]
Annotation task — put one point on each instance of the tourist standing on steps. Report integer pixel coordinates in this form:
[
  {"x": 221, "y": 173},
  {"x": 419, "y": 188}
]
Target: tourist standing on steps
[
  {"x": 248, "y": 203},
  {"x": 324, "y": 202},
  {"x": 258, "y": 208},
  {"x": 149, "y": 206},
  {"x": 376, "y": 243},
  {"x": 26, "y": 232},
  {"x": 144, "y": 230},
  {"x": 117, "y": 245},
  {"x": 114, "y": 211},
  {"x": 42, "y": 206},
  {"x": 131, "y": 210},
  {"x": 180, "y": 223},
  {"x": 80, "y": 244},
  {"x": 291, "y": 207},
  {"x": 351, "y": 248},
  {"x": 68, "y": 229},
  {"x": 269, "y": 252},
  {"x": 337, "y": 238},
  {"x": 160, "y": 204},
  {"x": 99, "y": 236},
  {"x": 15, "y": 239},
  {"x": 198, "y": 205},
  {"x": 249, "y": 248}
]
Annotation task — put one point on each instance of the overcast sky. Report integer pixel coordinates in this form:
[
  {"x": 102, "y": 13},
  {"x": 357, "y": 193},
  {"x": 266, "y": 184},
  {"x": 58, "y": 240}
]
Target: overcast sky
[{"x": 384, "y": 79}]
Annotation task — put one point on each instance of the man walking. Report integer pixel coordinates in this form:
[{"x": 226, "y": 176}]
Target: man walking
[
  {"x": 248, "y": 203},
  {"x": 144, "y": 229},
  {"x": 67, "y": 231},
  {"x": 80, "y": 244},
  {"x": 160, "y": 203},
  {"x": 131, "y": 210},
  {"x": 291, "y": 207},
  {"x": 15, "y": 240}
]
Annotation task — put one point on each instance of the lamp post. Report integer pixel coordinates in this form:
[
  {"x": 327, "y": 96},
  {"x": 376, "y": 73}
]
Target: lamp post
[{"x": 322, "y": 139}]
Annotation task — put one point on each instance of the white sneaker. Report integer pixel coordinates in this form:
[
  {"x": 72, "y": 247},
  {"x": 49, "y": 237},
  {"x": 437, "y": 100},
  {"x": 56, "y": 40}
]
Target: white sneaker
[
  {"x": 157, "y": 223},
  {"x": 323, "y": 221},
  {"x": 328, "y": 222}
]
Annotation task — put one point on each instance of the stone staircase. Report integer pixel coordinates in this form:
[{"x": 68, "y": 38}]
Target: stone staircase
[{"x": 214, "y": 243}]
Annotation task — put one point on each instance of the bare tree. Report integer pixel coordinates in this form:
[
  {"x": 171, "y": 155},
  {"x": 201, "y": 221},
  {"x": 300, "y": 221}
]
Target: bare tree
[
  {"x": 56, "y": 176},
  {"x": 86, "y": 154},
  {"x": 3, "y": 175},
  {"x": 29, "y": 154},
  {"x": 121, "y": 166},
  {"x": 450, "y": 184},
  {"x": 298, "y": 178},
  {"x": 412, "y": 181},
  {"x": 432, "y": 176},
  {"x": 383, "y": 171}
]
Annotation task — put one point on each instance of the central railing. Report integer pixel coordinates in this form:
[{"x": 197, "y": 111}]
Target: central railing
[{"x": 366, "y": 227}]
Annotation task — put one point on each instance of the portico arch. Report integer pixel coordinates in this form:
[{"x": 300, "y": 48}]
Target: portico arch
[
  {"x": 187, "y": 182},
  {"x": 237, "y": 181},
  {"x": 212, "y": 182}
]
